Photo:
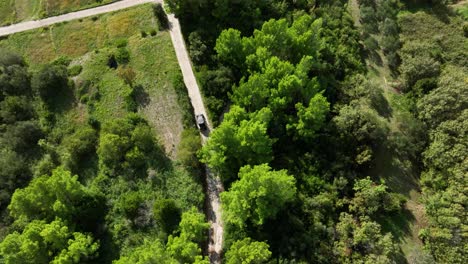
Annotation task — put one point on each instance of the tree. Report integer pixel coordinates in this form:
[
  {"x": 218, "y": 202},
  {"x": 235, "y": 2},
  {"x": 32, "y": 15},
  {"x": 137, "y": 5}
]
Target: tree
[
  {"x": 47, "y": 243},
  {"x": 361, "y": 241},
  {"x": 311, "y": 118},
  {"x": 369, "y": 198},
  {"x": 15, "y": 108},
  {"x": 259, "y": 195},
  {"x": 47, "y": 197},
  {"x": 230, "y": 49},
  {"x": 78, "y": 146},
  {"x": 150, "y": 252},
  {"x": 240, "y": 140},
  {"x": 247, "y": 251},
  {"x": 193, "y": 225},
  {"x": 448, "y": 100},
  {"x": 50, "y": 81},
  {"x": 184, "y": 247},
  {"x": 361, "y": 130}
]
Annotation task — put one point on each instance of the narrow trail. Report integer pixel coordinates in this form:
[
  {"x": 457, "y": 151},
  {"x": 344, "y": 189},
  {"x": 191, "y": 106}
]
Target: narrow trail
[{"x": 213, "y": 184}]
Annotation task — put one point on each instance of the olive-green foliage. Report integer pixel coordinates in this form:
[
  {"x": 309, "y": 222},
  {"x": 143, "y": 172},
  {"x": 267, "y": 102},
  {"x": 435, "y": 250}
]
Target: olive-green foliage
[
  {"x": 371, "y": 198},
  {"x": 19, "y": 130},
  {"x": 361, "y": 241},
  {"x": 163, "y": 22},
  {"x": 445, "y": 160},
  {"x": 126, "y": 145},
  {"x": 188, "y": 148},
  {"x": 216, "y": 85},
  {"x": 258, "y": 196},
  {"x": 441, "y": 105},
  {"x": 248, "y": 252},
  {"x": 380, "y": 18},
  {"x": 448, "y": 100},
  {"x": 78, "y": 146}
]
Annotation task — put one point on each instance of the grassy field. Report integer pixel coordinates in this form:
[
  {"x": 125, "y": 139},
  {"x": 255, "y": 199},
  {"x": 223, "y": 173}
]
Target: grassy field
[
  {"x": 12, "y": 11},
  {"x": 148, "y": 74}
]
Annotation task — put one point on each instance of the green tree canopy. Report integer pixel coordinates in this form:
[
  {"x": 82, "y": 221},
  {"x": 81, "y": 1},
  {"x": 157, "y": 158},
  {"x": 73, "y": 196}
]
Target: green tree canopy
[
  {"x": 240, "y": 140},
  {"x": 193, "y": 229},
  {"x": 151, "y": 252},
  {"x": 47, "y": 197},
  {"x": 247, "y": 251},
  {"x": 52, "y": 243},
  {"x": 361, "y": 241},
  {"x": 259, "y": 195}
]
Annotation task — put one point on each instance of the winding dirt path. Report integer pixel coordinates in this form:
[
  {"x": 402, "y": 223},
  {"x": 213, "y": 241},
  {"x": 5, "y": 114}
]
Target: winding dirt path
[{"x": 213, "y": 183}]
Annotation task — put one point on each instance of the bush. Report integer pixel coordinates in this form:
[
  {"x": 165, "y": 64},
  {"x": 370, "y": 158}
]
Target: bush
[
  {"x": 167, "y": 214},
  {"x": 188, "y": 147},
  {"x": 122, "y": 55},
  {"x": 183, "y": 100},
  {"x": 62, "y": 60},
  {"x": 121, "y": 43},
  {"x": 371, "y": 43},
  {"x": 163, "y": 22},
  {"x": 49, "y": 82},
  {"x": 75, "y": 70}
]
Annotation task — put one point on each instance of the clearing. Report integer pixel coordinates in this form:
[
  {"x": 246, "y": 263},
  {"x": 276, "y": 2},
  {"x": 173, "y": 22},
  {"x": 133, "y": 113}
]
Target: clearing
[{"x": 90, "y": 43}]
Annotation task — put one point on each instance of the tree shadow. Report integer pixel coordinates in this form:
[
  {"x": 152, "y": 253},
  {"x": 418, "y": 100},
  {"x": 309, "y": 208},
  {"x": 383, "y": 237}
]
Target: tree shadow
[
  {"x": 397, "y": 223},
  {"x": 63, "y": 100},
  {"x": 381, "y": 105},
  {"x": 374, "y": 56},
  {"x": 142, "y": 97}
]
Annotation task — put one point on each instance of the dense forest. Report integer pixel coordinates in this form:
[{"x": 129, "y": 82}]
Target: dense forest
[
  {"x": 340, "y": 133},
  {"x": 307, "y": 127}
]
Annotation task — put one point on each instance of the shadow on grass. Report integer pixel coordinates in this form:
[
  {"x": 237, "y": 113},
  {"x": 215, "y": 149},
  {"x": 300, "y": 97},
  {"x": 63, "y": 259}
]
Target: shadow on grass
[
  {"x": 142, "y": 98},
  {"x": 398, "y": 173},
  {"x": 399, "y": 224}
]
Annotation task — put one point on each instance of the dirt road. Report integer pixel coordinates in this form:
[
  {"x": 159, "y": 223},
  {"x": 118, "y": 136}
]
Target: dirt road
[
  {"x": 28, "y": 25},
  {"x": 214, "y": 185}
]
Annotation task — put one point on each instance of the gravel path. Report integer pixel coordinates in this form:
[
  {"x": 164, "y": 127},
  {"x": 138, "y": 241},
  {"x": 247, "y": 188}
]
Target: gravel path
[{"x": 214, "y": 185}]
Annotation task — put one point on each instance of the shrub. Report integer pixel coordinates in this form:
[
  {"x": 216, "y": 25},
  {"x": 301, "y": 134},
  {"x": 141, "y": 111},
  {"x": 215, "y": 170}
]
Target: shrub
[
  {"x": 121, "y": 43},
  {"x": 122, "y": 56},
  {"x": 163, "y": 22},
  {"x": 75, "y": 70}
]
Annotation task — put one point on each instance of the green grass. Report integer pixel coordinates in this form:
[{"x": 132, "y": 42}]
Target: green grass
[
  {"x": 90, "y": 42},
  {"x": 13, "y": 11},
  {"x": 76, "y": 38}
]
